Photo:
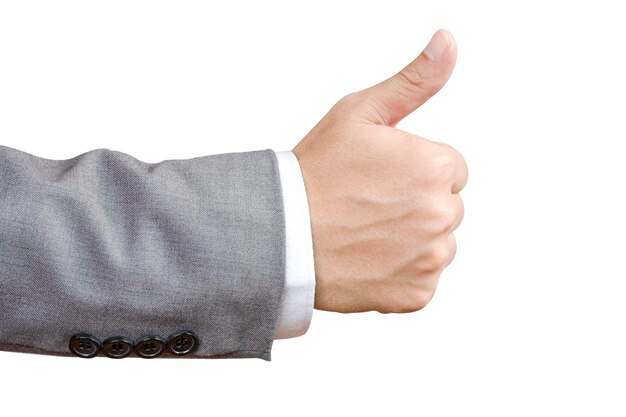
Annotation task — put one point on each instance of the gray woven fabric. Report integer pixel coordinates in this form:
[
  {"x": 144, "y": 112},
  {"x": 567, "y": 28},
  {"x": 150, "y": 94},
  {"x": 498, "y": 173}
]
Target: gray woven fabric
[{"x": 111, "y": 246}]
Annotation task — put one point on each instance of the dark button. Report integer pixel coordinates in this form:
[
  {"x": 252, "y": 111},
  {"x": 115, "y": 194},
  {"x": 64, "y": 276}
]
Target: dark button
[
  {"x": 117, "y": 347},
  {"x": 182, "y": 343},
  {"x": 85, "y": 345},
  {"x": 149, "y": 347}
]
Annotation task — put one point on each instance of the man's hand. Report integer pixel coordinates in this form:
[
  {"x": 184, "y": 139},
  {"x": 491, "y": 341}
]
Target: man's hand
[{"x": 383, "y": 202}]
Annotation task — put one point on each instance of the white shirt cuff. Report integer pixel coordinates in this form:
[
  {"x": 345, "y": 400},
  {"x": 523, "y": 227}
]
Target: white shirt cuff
[{"x": 297, "y": 308}]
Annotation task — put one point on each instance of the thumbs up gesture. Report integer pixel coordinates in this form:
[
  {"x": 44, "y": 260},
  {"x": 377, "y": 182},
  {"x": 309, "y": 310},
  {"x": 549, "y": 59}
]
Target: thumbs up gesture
[{"x": 383, "y": 203}]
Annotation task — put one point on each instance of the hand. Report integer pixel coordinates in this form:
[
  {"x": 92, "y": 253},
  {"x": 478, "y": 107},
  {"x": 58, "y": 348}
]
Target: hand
[{"x": 383, "y": 202}]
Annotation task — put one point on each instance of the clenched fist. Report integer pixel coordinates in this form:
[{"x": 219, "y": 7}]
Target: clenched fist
[{"x": 383, "y": 202}]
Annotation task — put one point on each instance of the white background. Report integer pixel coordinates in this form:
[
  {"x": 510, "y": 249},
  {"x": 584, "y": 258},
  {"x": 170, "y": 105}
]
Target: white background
[{"x": 528, "y": 320}]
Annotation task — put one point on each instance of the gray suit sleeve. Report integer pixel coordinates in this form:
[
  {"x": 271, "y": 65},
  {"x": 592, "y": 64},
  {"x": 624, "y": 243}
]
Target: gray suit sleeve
[{"x": 107, "y": 245}]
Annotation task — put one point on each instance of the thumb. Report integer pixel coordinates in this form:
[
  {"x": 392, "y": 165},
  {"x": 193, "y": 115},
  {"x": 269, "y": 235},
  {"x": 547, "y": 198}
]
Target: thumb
[{"x": 395, "y": 98}]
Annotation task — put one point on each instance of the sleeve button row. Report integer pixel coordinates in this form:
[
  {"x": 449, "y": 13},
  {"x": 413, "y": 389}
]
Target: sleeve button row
[{"x": 179, "y": 343}]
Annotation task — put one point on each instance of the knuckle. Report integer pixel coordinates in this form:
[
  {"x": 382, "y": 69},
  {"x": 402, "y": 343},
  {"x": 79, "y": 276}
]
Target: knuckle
[
  {"x": 436, "y": 219},
  {"x": 449, "y": 148},
  {"x": 349, "y": 102},
  {"x": 456, "y": 164},
  {"x": 453, "y": 249},
  {"x": 460, "y": 212},
  {"x": 460, "y": 207},
  {"x": 435, "y": 259},
  {"x": 446, "y": 216},
  {"x": 415, "y": 300},
  {"x": 441, "y": 166},
  {"x": 451, "y": 157},
  {"x": 412, "y": 79},
  {"x": 385, "y": 309}
]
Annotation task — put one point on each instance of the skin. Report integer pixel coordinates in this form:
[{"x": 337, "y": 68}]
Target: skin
[{"x": 383, "y": 202}]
